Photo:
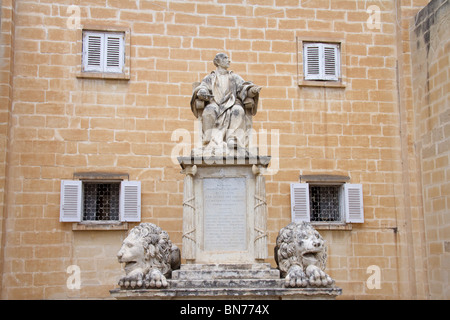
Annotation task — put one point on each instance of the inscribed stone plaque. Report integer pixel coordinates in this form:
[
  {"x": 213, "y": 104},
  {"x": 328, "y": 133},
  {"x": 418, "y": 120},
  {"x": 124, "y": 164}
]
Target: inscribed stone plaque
[{"x": 225, "y": 214}]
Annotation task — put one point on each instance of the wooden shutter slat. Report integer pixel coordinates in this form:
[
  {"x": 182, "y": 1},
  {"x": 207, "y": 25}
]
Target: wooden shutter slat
[
  {"x": 312, "y": 62},
  {"x": 71, "y": 198},
  {"x": 300, "y": 202},
  {"x": 354, "y": 207},
  {"x": 130, "y": 201}
]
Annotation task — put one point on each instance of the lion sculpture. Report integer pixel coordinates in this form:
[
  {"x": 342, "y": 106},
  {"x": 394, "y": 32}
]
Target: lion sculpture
[
  {"x": 149, "y": 257},
  {"x": 301, "y": 256}
]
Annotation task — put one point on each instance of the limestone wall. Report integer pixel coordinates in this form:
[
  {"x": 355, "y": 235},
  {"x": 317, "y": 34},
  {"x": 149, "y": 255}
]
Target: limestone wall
[
  {"x": 63, "y": 123},
  {"x": 430, "y": 44}
]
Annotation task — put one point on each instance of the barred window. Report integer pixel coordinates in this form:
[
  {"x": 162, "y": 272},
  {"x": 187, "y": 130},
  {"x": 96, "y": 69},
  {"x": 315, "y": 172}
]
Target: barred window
[
  {"x": 324, "y": 203},
  {"x": 327, "y": 203},
  {"x": 101, "y": 201}
]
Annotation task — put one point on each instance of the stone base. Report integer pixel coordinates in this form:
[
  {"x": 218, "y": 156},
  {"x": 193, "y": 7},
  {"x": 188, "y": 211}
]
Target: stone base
[{"x": 230, "y": 282}]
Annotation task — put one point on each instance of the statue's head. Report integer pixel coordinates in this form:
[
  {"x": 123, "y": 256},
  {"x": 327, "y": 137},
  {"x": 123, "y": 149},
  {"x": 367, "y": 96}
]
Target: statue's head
[{"x": 222, "y": 60}]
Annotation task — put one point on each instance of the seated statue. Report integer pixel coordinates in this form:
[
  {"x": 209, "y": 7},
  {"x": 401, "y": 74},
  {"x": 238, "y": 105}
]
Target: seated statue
[{"x": 225, "y": 103}]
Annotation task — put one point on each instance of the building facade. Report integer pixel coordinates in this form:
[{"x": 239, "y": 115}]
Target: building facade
[{"x": 96, "y": 94}]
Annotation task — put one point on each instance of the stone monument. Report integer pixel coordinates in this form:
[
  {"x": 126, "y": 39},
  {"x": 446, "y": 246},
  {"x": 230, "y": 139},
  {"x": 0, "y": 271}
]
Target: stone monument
[
  {"x": 224, "y": 208},
  {"x": 224, "y": 241}
]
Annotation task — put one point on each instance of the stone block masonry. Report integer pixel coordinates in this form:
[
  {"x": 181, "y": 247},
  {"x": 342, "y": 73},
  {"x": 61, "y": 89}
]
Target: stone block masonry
[{"x": 56, "y": 122}]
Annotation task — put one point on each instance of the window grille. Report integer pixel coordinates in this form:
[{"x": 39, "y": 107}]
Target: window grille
[
  {"x": 101, "y": 201},
  {"x": 324, "y": 203}
]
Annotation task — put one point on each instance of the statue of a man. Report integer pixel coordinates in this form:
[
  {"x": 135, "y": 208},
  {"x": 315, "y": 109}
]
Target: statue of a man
[{"x": 225, "y": 104}]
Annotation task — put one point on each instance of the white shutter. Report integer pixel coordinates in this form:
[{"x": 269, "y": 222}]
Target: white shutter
[
  {"x": 353, "y": 202},
  {"x": 114, "y": 53},
  {"x": 71, "y": 201},
  {"x": 300, "y": 202},
  {"x": 93, "y": 52},
  {"x": 130, "y": 201},
  {"x": 331, "y": 62},
  {"x": 321, "y": 61},
  {"x": 312, "y": 61}
]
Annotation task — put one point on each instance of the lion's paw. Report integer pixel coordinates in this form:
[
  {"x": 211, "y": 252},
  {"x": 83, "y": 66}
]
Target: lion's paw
[
  {"x": 132, "y": 281},
  {"x": 317, "y": 277},
  {"x": 296, "y": 278},
  {"x": 155, "y": 279}
]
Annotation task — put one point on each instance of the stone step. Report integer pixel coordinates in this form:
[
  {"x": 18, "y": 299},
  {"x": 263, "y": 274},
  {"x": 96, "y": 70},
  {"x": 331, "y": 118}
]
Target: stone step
[
  {"x": 225, "y": 274},
  {"x": 222, "y": 266},
  {"x": 226, "y": 283},
  {"x": 225, "y": 271}
]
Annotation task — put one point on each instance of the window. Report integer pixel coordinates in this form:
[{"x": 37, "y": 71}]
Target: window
[
  {"x": 101, "y": 201},
  {"x": 321, "y": 61},
  {"x": 83, "y": 201},
  {"x": 325, "y": 203},
  {"x": 103, "y": 52}
]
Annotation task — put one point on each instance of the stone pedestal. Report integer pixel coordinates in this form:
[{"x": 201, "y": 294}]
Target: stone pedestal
[
  {"x": 224, "y": 210},
  {"x": 228, "y": 281},
  {"x": 225, "y": 237}
]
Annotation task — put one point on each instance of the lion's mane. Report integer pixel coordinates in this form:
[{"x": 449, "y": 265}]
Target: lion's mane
[
  {"x": 286, "y": 254},
  {"x": 157, "y": 246}
]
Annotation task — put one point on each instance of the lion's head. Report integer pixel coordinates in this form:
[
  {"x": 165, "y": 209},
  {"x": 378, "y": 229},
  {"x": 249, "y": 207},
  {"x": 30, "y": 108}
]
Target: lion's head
[
  {"x": 147, "y": 246},
  {"x": 300, "y": 244}
]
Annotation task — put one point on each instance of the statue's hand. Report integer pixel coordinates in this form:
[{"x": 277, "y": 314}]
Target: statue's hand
[
  {"x": 202, "y": 94},
  {"x": 253, "y": 91}
]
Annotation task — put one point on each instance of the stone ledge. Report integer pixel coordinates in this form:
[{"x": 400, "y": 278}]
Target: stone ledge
[
  {"x": 227, "y": 160},
  {"x": 227, "y": 281},
  {"x": 228, "y": 293}
]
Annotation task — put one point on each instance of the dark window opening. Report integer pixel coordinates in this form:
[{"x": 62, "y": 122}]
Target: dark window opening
[
  {"x": 325, "y": 203},
  {"x": 101, "y": 201}
]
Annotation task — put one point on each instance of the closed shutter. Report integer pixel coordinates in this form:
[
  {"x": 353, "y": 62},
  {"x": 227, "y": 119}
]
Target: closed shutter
[
  {"x": 130, "y": 201},
  {"x": 300, "y": 202},
  {"x": 71, "y": 201},
  {"x": 331, "y": 62},
  {"x": 353, "y": 202},
  {"x": 321, "y": 61},
  {"x": 93, "y": 55},
  {"x": 103, "y": 52},
  {"x": 114, "y": 53},
  {"x": 312, "y": 62}
]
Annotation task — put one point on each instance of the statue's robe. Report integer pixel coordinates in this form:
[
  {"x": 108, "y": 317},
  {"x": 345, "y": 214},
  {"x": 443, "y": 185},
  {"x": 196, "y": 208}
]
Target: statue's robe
[{"x": 225, "y": 117}]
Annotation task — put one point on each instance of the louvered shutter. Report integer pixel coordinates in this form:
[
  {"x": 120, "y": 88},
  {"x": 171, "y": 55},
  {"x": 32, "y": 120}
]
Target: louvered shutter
[
  {"x": 331, "y": 62},
  {"x": 71, "y": 201},
  {"x": 114, "y": 53},
  {"x": 312, "y": 61},
  {"x": 321, "y": 61},
  {"x": 130, "y": 201},
  {"x": 353, "y": 203},
  {"x": 300, "y": 202},
  {"x": 93, "y": 53}
]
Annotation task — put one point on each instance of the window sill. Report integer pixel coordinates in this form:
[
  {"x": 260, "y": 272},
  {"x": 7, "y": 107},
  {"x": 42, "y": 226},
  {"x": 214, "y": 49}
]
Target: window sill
[
  {"x": 333, "y": 226},
  {"x": 102, "y": 75},
  {"x": 326, "y": 84},
  {"x": 100, "y": 226}
]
